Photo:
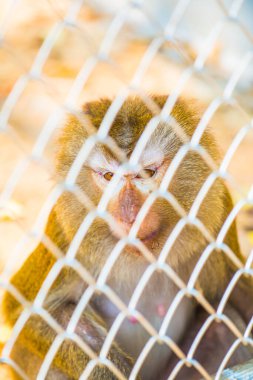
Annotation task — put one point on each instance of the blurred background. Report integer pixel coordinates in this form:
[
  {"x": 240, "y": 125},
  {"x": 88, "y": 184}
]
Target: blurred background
[{"x": 57, "y": 54}]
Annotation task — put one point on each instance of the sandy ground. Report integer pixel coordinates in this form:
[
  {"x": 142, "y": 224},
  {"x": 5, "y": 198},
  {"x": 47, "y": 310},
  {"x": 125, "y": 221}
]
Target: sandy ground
[{"x": 25, "y": 182}]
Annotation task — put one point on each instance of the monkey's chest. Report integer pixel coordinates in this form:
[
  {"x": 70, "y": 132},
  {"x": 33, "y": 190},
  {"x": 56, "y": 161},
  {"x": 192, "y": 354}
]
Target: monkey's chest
[{"x": 154, "y": 313}]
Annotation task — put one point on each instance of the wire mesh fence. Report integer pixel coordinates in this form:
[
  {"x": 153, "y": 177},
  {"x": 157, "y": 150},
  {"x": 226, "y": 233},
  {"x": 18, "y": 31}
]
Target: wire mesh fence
[{"x": 56, "y": 56}]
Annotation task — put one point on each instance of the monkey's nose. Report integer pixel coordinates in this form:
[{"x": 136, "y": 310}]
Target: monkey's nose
[{"x": 129, "y": 205}]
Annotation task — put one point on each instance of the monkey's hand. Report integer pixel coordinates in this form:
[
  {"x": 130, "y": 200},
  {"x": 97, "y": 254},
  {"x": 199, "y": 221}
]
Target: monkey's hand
[
  {"x": 213, "y": 347},
  {"x": 242, "y": 297},
  {"x": 70, "y": 360}
]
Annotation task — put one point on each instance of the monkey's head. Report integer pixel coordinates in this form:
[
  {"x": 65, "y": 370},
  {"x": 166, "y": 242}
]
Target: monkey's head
[{"x": 137, "y": 183}]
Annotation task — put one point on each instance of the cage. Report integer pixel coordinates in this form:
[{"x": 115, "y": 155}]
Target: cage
[{"x": 114, "y": 198}]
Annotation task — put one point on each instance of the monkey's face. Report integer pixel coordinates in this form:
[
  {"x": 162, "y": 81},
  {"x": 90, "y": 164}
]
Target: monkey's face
[
  {"x": 131, "y": 191},
  {"x": 127, "y": 199}
]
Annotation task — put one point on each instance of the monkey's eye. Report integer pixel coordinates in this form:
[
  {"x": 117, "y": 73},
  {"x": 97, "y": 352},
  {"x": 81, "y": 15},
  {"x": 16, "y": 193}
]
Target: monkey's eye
[
  {"x": 108, "y": 176},
  {"x": 146, "y": 173}
]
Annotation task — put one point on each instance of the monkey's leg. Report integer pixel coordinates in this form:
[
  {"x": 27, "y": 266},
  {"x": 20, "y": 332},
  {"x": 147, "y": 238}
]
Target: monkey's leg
[
  {"x": 213, "y": 347},
  {"x": 242, "y": 297},
  {"x": 70, "y": 360}
]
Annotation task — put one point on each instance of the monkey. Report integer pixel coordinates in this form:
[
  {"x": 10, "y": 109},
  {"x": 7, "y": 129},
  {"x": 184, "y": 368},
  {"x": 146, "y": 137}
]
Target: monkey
[{"x": 161, "y": 219}]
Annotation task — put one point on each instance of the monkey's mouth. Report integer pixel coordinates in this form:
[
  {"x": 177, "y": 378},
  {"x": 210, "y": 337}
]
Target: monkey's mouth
[
  {"x": 146, "y": 234},
  {"x": 145, "y": 237},
  {"x": 150, "y": 236}
]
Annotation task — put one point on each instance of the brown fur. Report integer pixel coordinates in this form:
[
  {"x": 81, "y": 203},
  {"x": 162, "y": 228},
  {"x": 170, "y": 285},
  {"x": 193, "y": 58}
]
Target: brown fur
[{"x": 69, "y": 212}]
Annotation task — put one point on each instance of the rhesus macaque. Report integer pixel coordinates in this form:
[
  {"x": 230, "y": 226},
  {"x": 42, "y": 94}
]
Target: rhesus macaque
[{"x": 97, "y": 244}]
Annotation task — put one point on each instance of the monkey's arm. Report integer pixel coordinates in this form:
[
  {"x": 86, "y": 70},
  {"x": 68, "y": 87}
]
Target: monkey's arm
[
  {"x": 241, "y": 297},
  {"x": 70, "y": 361},
  {"x": 29, "y": 279},
  {"x": 213, "y": 346},
  {"x": 220, "y": 269},
  {"x": 214, "y": 278},
  {"x": 37, "y": 336}
]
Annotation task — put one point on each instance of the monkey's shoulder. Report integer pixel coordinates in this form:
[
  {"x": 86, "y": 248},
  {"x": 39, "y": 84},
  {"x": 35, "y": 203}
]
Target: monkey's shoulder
[{"x": 27, "y": 281}]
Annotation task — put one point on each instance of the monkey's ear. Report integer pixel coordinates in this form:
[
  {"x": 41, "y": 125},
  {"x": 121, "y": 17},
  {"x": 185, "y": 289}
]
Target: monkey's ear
[
  {"x": 70, "y": 138},
  {"x": 96, "y": 110},
  {"x": 76, "y": 130},
  {"x": 187, "y": 113}
]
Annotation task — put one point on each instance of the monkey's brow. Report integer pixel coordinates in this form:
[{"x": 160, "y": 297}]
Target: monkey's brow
[
  {"x": 152, "y": 157},
  {"x": 154, "y": 153},
  {"x": 99, "y": 159}
]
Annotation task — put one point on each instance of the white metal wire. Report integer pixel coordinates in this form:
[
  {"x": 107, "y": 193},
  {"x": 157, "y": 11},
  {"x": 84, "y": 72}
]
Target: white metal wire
[{"x": 226, "y": 96}]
